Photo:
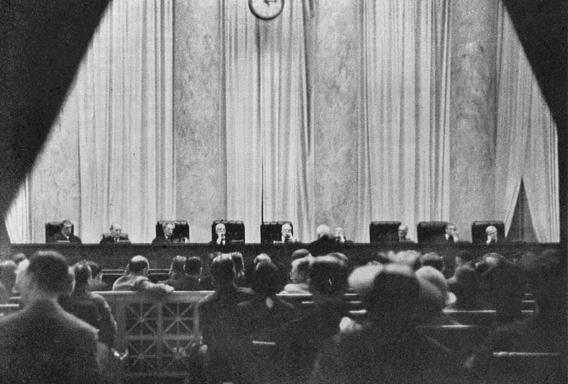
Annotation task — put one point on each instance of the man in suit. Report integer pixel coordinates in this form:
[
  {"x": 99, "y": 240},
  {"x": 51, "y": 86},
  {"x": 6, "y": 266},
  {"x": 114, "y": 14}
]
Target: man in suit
[
  {"x": 465, "y": 282},
  {"x": 167, "y": 236},
  {"x": 325, "y": 243},
  {"x": 287, "y": 235},
  {"x": 136, "y": 279},
  {"x": 491, "y": 232},
  {"x": 65, "y": 234},
  {"x": 218, "y": 319},
  {"x": 115, "y": 235},
  {"x": 42, "y": 343},
  {"x": 220, "y": 232},
  {"x": 451, "y": 235},
  {"x": 403, "y": 233}
]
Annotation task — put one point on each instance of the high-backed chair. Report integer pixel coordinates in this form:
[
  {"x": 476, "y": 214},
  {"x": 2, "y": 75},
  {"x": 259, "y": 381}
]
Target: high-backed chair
[
  {"x": 383, "y": 231},
  {"x": 431, "y": 231},
  {"x": 54, "y": 227},
  {"x": 235, "y": 231},
  {"x": 181, "y": 230},
  {"x": 270, "y": 231},
  {"x": 478, "y": 235}
]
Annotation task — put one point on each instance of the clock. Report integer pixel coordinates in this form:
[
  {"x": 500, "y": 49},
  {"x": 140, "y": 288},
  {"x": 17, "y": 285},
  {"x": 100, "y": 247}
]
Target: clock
[{"x": 266, "y": 9}]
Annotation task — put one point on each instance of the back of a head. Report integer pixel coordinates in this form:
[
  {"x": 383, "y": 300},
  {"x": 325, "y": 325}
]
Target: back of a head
[
  {"x": 8, "y": 273},
  {"x": 82, "y": 272},
  {"x": 391, "y": 292},
  {"x": 178, "y": 264},
  {"x": 223, "y": 269},
  {"x": 238, "y": 261},
  {"x": 49, "y": 271},
  {"x": 95, "y": 268},
  {"x": 262, "y": 258},
  {"x": 266, "y": 279},
  {"x": 432, "y": 259},
  {"x": 434, "y": 287},
  {"x": 328, "y": 275},
  {"x": 138, "y": 264},
  {"x": 299, "y": 254},
  {"x": 193, "y": 265}
]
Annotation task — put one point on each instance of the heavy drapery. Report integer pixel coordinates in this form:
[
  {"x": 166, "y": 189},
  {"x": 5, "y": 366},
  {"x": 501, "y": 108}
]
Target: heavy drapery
[
  {"x": 268, "y": 134},
  {"x": 526, "y": 139},
  {"x": 111, "y": 153},
  {"x": 403, "y": 151},
  {"x": 120, "y": 109}
]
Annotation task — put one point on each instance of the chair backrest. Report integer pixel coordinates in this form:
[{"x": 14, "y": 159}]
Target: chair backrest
[
  {"x": 478, "y": 235},
  {"x": 383, "y": 231},
  {"x": 54, "y": 227},
  {"x": 235, "y": 230},
  {"x": 430, "y": 231},
  {"x": 181, "y": 230},
  {"x": 270, "y": 231}
]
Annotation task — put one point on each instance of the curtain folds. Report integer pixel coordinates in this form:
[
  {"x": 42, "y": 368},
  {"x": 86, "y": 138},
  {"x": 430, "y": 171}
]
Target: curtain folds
[
  {"x": 266, "y": 113},
  {"x": 403, "y": 143},
  {"x": 120, "y": 108},
  {"x": 526, "y": 140}
]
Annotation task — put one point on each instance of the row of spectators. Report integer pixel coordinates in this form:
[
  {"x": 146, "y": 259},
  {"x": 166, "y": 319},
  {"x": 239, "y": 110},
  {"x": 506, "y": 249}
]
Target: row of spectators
[{"x": 400, "y": 291}]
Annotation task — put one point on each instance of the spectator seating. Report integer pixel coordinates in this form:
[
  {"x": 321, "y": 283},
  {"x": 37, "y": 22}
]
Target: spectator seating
[{"x": 510, "y": 367}]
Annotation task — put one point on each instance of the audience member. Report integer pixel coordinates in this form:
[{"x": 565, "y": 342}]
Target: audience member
[
  {"x": 218, "y": 320},
  {"x": 96, "y": 283},
  {"x": 42, "y": 343},
  {"x": 408, "y": 257},
  {"x": 434, "y": 297},
  {"x": 240, "y": 274},
  {"x": 65, "y": 234},
  {"x": 298, "y": 277},
  {"x": 178, "y": 278},
  {"x": 300, "y": 254},
  {"x": 502, "y": 284},
  {"x": 302, "y": 338},
  {"x": 7, "y": 280},
  {"x": 193, "y": 268},
  {"x": 387, "y": 348},
  {"x": 261, "y": 258},
  {"x": 432, "y": 259},
  {"x": 264, "y": 312},
  {"x": 136, "y": 279},
  {"x": 89, "y": 306},
  {"x": 465, "y": 283},
  {"x": 18, "y": 257},
  {"x": 206, "y": 280},
  {"x": 546, "y": 332}
]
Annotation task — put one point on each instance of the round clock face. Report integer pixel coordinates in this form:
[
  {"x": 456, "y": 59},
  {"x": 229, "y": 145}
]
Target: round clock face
[{"x": 266, "y": 9}]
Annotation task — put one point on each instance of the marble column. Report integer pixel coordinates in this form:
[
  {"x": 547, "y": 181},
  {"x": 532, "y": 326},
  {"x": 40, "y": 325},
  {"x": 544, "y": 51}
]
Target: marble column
[
  {"x": 336, "y": 82},
  {"x": 199, "y": 142},
  {"x": 473, "y": 112}
]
